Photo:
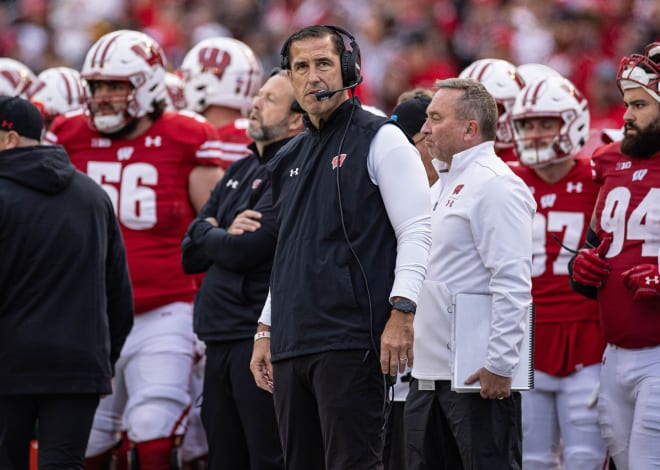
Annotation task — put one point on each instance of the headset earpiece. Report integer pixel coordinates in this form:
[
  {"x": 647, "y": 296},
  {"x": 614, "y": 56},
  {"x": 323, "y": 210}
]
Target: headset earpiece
[{"x": 350, "y": 59}]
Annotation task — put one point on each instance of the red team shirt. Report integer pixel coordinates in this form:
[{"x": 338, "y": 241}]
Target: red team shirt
[
  {"x": 234, "y": 142},
  {"x": 567, "y": 333},
  {"x": 629, "y": 209},
  {"x": 147, "y": 180}
]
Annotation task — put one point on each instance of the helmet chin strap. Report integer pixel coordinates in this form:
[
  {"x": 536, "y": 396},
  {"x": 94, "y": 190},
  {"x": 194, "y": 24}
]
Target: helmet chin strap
[
  {"x": 110, "y": 123},
  {"x": 539, "y": 157}
]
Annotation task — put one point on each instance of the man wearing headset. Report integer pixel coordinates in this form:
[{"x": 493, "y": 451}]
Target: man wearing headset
[{"x": 353, "y": 208}]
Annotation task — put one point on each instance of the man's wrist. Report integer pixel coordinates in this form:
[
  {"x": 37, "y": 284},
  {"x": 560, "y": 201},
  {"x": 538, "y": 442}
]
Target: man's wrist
[
  {"x": 404, "y": 305},
  {"x": 261, "y": 335}
]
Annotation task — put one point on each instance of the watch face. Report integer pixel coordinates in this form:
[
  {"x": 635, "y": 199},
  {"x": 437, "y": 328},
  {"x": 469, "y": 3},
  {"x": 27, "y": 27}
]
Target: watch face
[{"x": 405, "y": 306}]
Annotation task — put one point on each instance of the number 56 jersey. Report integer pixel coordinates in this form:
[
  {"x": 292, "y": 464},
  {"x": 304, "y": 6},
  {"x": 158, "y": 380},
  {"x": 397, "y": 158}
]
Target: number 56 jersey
[
  {"x": 628, "y": 209},
  {"x": 146, "y": 178}
]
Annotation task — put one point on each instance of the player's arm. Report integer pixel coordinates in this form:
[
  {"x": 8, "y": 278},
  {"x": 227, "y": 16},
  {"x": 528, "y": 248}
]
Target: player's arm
[
  {"x": 588, "y": 269},
  {"x": 201, "y": 181}
]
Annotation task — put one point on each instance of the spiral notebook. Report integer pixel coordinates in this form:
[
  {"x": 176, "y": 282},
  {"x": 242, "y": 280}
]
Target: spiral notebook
[{"x": 469, "y": 341}]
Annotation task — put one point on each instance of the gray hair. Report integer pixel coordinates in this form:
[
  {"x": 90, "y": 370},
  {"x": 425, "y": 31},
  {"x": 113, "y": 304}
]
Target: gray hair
[{"x": 476, "y": 103}]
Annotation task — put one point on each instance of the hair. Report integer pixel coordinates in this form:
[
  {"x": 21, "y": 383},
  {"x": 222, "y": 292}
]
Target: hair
[
  {"x": 415, "y": 93},
  {"x": 159, "y": 107},
  {"x": 476, "y": 103},
  {"x": 316, "y": 31},
  {"x": 278, "y": 71},
  {"x": 295, "y": 106}
]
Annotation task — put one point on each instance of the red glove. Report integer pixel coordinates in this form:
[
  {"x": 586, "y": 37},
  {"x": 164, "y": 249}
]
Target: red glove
[
  {"x": 589, "y": 267},
  {"x": 643, "y": 280}
]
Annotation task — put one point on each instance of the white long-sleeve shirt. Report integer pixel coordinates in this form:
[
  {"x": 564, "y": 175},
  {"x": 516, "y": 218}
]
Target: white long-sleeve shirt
[
  {"x": 395, "y": 166},
  {"x": 482, "y": 243}
]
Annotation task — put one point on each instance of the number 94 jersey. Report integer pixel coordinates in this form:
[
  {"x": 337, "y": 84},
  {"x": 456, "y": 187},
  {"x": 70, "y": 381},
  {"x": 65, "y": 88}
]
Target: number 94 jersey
[
  {"x": 628, "y": 209},
  {"x": 146, "y": 178}
]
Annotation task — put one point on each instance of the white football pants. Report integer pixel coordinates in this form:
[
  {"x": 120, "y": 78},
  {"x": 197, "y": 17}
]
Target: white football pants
[
  {"x": 151, "y": 390},
  {"x": 560, "y": 422},
  {"x": 629, "y": 406}
]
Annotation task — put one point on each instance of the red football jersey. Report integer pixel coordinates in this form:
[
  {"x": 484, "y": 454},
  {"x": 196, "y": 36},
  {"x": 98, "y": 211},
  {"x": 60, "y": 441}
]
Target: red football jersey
[
  {"x": 147, "y": 180},
  {"x": 628, "y": 209},
  {"x": 563, "y": 213},
  {"x": 234, "y": 142}
]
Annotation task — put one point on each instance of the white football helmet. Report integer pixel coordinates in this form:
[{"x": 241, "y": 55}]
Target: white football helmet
[
  {"x": 128, "y": 56},
  {"x": 641, "y": 70},
  {"x": 59, "y": 90},
  {"x": 531, "y": 72},
  {"x": 176, "y": 98},
  {"x": 221, "y": 71},
  {"x": 554, "y": 97},
  {"x": 15, "y": 77},
  {"x": 501, "y": 80}
]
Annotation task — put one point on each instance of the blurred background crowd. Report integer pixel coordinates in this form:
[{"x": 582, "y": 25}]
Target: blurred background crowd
[{"x": 404, "y": 43}]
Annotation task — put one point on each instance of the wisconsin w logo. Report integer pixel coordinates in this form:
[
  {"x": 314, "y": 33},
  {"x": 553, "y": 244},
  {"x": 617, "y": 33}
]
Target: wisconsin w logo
[
  {"x": 150, "y": 52},
  {"x": 638, "y": 175},
  {"x": 213, "y": 60},
  {"x": 548, "y": 200}
]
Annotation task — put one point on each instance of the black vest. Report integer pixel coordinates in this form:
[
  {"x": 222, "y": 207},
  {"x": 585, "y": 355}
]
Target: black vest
[{"x": 321, "y": 300}]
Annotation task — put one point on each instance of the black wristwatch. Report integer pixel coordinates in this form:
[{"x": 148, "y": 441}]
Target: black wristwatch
[{"x": 404, "y": 305}]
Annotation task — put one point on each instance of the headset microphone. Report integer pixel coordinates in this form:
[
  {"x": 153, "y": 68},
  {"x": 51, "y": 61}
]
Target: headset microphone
[{"x": 325, "y": 94}]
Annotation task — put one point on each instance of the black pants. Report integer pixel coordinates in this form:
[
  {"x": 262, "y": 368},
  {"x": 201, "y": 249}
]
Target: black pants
[
  {"x": 461, "y": 431},
  {"x": 331, "y": 410},
  {"x": 238, "y": 417},
  {"x": 394, "y": 454},
  {"x": 65, "y": 422}
]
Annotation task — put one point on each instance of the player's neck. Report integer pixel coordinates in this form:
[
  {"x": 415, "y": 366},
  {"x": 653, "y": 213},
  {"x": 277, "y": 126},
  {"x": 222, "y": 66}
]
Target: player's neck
[{"x": 556, "y": 171}]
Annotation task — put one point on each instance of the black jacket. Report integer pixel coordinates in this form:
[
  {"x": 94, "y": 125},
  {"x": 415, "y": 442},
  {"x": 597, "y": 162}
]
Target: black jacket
[
  {"x": 65, "y": 296},
  {"x": 333, "y": 268},
  {"x": 235, "y": 286}
]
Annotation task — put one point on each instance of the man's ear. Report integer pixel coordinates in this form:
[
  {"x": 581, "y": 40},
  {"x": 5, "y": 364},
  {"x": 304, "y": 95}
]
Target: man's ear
[
  {"x": 10, "y": 140},
  {"x": 471, "y": 130}
]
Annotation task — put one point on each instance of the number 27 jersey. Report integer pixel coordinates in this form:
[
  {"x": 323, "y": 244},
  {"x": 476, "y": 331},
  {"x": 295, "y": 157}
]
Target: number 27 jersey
[{"x": 146, "y": 178}]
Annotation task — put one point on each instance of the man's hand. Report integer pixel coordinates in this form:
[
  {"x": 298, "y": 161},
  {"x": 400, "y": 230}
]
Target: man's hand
[
  {"x": 590, "y": 268},
  {"x": 396, "y": 343},
  {"x": 212, "y": 220},
  {"x": 643, "y": 280},
  {"x": 246, "y": 221},
  {"x": 260, "y": 364},
  {"x": 492, "y": 385}
]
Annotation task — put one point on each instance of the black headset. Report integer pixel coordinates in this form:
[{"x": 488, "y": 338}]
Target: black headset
[{"x": 350, "y": 60}]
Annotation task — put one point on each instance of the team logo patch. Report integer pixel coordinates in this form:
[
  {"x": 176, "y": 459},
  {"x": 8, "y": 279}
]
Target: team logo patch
[
  {"x": 458, "y": 189},
  {"x": 338, "y": 160},
  {"x": 153, "y": 141},
  {"x": 571, "y": 187},
  {"x": 652, "y": 280},
  {"x": 101, "y": 142},
  {"x": 124, "y": 153},
  {"x": 548, "y": 200},
  {"x": 256, "y": 183},
  {"x": 623, "y": 165},
  {"x": 638, "y": 175}
]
